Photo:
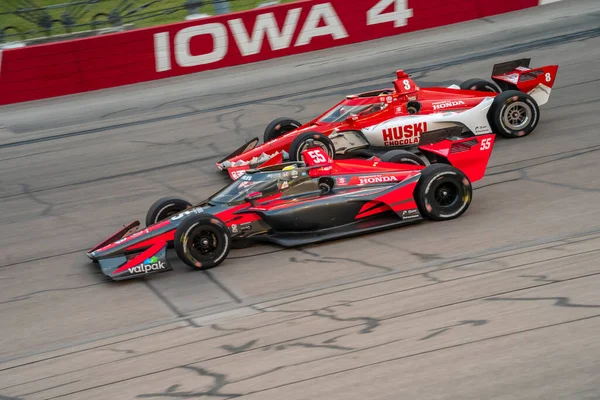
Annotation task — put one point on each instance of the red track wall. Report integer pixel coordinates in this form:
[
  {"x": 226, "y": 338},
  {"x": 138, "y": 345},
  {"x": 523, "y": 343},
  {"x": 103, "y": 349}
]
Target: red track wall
[{"x": 81, "y": 65}]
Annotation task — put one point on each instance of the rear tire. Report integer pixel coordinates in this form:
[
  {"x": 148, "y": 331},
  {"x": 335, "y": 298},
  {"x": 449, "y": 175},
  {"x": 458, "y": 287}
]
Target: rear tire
[
  {"x": 302, "y": 142},
  {"x": 514, "y": 114},
  {"x": 279, "y": 127},
  {"x": 443, "y": 192},
  {"x": 402, "y": 157},
  {"x": 480, "y": 85},
  {"x": 165, "y": 207},
  {"x": 202, "y": 241}
]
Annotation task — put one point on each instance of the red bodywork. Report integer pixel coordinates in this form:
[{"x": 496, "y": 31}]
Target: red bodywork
[{"x": 397, "y": 99}]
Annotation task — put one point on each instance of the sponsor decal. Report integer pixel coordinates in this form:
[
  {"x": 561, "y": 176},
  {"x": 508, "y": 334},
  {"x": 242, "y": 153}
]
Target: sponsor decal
[
  {"x": 388, "y": 99},
  {"x": 256, "y": 209},
  {"x": 513, "y": 78},
  {"x": 186, "y": 213},
  {"x": 410, "y": 214},
  {"x": 376, "y": 179},
  {"x": 481, "y": 129},
  {"x": 237, "y": 174},
  {"x": 246, "y": 226},
  {"x": 398, "y": 110},
  {"x": 403, "y": 135},
  {"x": 133, "y": 235},
  {"x": 342, "y": 181},
  {"x": 151, "y": 264},
  {"x": 445, "y": 104},
  {"x": 245, "y": 177},
  {"x": 234, "y": 228}
]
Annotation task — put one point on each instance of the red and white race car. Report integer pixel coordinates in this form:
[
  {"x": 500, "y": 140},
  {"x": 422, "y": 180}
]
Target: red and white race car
[{"x": 389, "y": 123}]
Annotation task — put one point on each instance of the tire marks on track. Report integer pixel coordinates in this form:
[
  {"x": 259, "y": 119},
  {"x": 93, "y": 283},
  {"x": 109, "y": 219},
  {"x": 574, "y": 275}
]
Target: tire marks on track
[
  {"x": 364, "y": 325},
  {"x": 380, "y": 320}
]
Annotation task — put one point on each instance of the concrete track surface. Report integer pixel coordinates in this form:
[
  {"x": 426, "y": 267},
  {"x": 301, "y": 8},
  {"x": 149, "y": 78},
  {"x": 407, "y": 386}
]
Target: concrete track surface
[{"x": 502, "y": 303}]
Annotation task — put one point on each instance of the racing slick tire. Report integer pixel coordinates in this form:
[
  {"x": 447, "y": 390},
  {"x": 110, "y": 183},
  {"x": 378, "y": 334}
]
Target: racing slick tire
[
  {"x": 514, "y": 114},
  {"x": 402, "y": 157},
  {"x": 165, "y": 207},
  {"x": 202, "y": 241},
  {"x": 279, "y": 127},
  {"x": 480, "y": 85},
  {"x": 443, "y": 192},
  {"x": 303, "y": 142}
]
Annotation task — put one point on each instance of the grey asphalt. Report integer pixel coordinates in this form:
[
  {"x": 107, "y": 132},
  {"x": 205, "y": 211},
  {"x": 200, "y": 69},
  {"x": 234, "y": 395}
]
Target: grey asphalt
[{"x": 501, "y": 303}]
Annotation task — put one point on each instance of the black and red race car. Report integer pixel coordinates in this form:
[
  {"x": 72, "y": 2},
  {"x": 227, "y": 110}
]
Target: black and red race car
[{"x": 302, "y": 202}]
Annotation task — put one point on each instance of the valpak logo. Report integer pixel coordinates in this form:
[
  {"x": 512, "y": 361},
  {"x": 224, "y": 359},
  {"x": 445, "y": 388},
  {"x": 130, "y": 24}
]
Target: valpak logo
[
  {"x": 404, "y": 135},
  {"x": 377, "y": 179},
  {"x": 151, "y": 264},
  {"x": 446, "y": 104}
]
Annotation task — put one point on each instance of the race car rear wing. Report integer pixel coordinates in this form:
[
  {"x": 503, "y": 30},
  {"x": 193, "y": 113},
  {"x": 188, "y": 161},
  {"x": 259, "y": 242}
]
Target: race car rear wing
[
  {"x": 469, "y": 154},
  {"x": 510, "y": 66},
  {"x": 517, "y": 75}
]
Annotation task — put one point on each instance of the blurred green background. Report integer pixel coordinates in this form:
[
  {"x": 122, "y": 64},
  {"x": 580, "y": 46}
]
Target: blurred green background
[{"x": 31, "y": 18}]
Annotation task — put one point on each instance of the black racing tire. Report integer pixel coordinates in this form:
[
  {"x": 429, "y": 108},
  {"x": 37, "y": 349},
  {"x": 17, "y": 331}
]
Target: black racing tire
[
  {"x": 302, "y": 142},
  {"x": 514, "y": 114},
  {"x": 202, "y": 241},
  {"x": 165, "y": 207},
  {"x": 443, "y": 192},
  {"x": 279, "y": 127},
  {"x": 480, "y": 85},
  {"x": 402, "y": 157}
]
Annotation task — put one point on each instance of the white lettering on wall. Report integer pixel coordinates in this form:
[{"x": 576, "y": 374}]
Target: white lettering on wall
[
  {"x": 265, "y": 25},
  {"x": 162, "y": 51},
  {"x": 333, "y": 26},
  {"x": 183, "y": 55}
]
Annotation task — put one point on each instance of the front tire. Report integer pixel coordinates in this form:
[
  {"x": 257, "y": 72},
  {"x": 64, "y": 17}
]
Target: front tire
[
  {"x": 303, "y": 142},
  {"x": 202, "y": 241},
  {"x": 443, "y": 192},
  {"x": 514, "y": 114},
  {"x": 279, "y": 127},
  {"x": 164, "y": 208},
  {"x": 402, "y": 157}
]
